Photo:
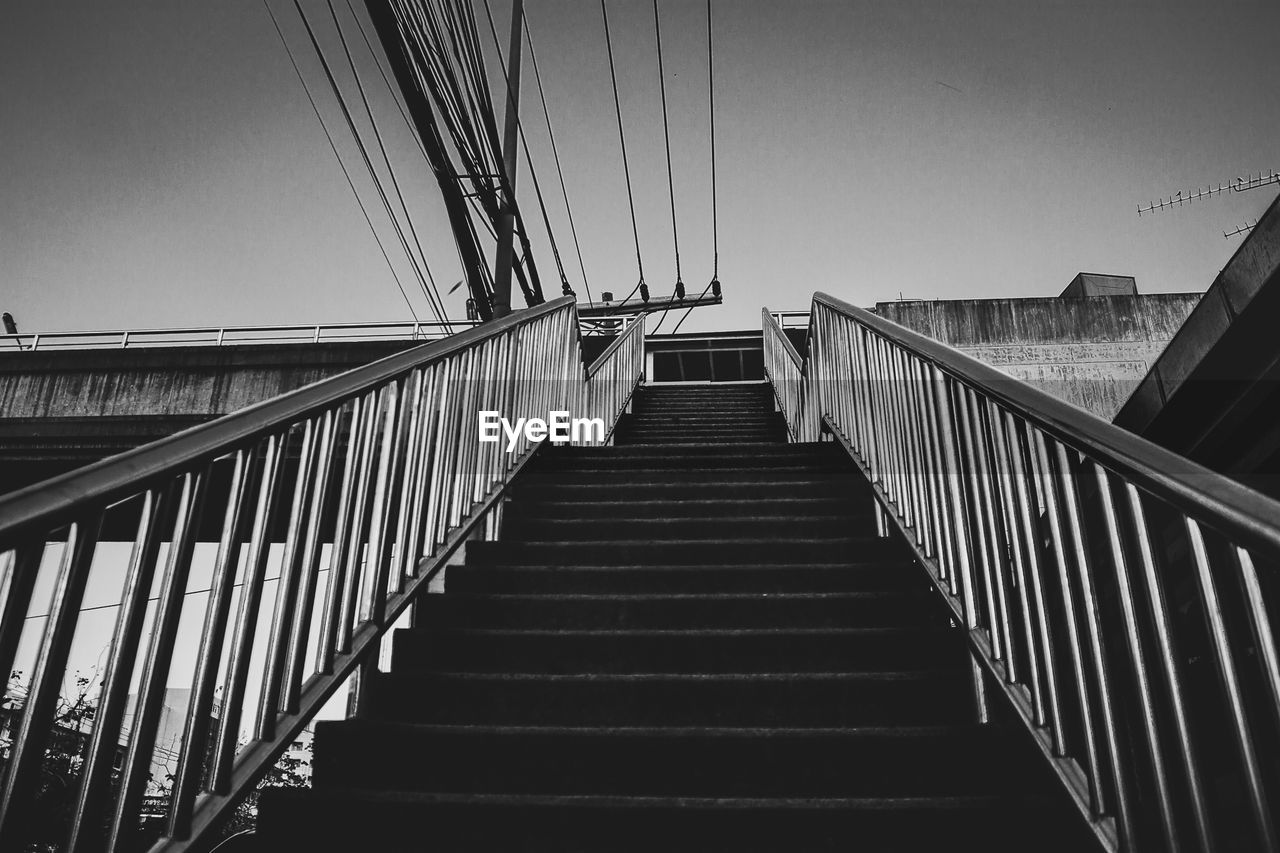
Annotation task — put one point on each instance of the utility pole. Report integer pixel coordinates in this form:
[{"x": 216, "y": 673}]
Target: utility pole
[{"x": 505, "y": 262}]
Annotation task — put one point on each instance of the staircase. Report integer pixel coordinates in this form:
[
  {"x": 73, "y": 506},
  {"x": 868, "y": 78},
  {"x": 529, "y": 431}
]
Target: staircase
[
  {"x": 692, "y": 640},
  {"x": 730, "y": 414}
]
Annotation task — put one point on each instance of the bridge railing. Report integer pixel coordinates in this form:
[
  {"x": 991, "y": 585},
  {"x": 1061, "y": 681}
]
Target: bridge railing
[
  {"x": 344, "y": 497},
  {"x": 1120, "y": 596},
  {"x": 218, "y": 336}
]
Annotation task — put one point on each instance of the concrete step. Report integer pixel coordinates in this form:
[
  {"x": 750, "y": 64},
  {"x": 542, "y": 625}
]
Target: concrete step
[
  {"x": 742, "y": 577},
  {"x": 899, "y": 761},
  {"x": 820, "y": 699},
  {"x": 677, "y": 651},
  {"x": 850, "y": 509},
  {"x": 696, "y": 610},
  {"x": 689, "y": 551},
  {"x": 523, "y": 529},
  {"x": 344, "y": 818}
]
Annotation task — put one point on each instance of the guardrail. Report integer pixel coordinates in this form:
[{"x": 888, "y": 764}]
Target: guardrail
[
  {"x": 612, "y": 378},
  {"x": 790, "y": 319},
  {"x": 352, "y": 492},
  {"x": 217, "y": 336},
  {"x": 1121, "y": 596}
]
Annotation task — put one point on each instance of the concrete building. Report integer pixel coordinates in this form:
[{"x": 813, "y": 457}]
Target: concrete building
[{"x": 1091, "y": 345}]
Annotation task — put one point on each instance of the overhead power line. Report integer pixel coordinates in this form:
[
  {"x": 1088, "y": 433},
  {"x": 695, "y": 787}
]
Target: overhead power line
[
  {"x": 555, "y": 152},
  {"x": 524, "y": 144},
  {"x": 429, "y": 289},
  {"x": 671, "y": 183},
  {"x": 711, "y": 101},
  {"x": 448, "y": 65},
  {"x": 364, "y": 152},
  {"x": 666, "y": 136},
  {"x": 714, "y": 284},
  {"x": 333, "y": 147},
  {"x": 626, "y": 169}
]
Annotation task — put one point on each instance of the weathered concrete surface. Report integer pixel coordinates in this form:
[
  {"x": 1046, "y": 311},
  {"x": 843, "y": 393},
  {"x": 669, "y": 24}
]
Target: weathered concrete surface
[
  {"x": 1091, "y": 351},
  {"x": 60, "y": 410},
  {"x": 63, "y": 409},
  {"x": 183, "y": 381}
]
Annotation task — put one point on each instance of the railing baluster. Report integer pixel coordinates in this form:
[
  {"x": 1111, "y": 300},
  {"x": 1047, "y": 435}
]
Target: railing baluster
[
  {"x": 1043, "y": 470},
  {"x": 1083, "y": 576},
  {"x": 1235, "y": 700},
  {"x": 36, "y": 725},
  {"x": 339, "y": 567},
  {"x": 191, "y": 759},
  {"x": 934, "y": 469},
  {"x": 983, "y": 523},
  {"x": 1169, "y": 661},
  {"x": 356, "y": 560},
  {"x": 282, "y": 613},
  {"x": 309, "y": 568},
  {"x": 954, "y": 500},
  {"x": 24, "y": 571},
  {"x": 1137, "y": 656},
  {"x": 1007, "y": 485},
  {"x": 245, "y": 629},
  {"x": 1001, "y": 558},
  {"x": 405, "y": 549},
  {"x": 1028, "y": 509},
  {"x": 91, "y": 799},
  {"x": 155, "y": 672},
  {"x": 1264, "y": 639},
  {"x": 388, "y": 486}
]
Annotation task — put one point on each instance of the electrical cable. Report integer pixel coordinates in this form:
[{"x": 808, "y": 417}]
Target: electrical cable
[
  {"x": 333, "y": 146},
  {"x": 524, "y": 143},
  {"x": 364, "y": 153},
  {"x": 666, "y": 135},
  {"x": 387, "y": 80},
  {"x": 689, "y": 310},
  {"x": 626, "y": 170},
  {"x": 711, "y": 100},
  {"x": 714, "y": 284},
  {"x": 433, "y": 292},
  {"x": 442, "y": 37},
  {"x": 556, "y": 154}
]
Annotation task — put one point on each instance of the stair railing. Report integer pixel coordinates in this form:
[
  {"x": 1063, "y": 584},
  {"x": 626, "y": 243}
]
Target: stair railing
[
  {"x": 347, "y": 495},
  {"x": 1121, "y": 596},
  {"x": 613, "y": 377},
  {"x": 785, "y": 370}
]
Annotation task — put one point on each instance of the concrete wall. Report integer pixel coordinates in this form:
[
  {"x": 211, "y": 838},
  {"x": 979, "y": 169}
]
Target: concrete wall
[
  {"x": 186, "y": 381},
  {"x": 1091, "y": 352},
  {"x": 61, "y": 410}
]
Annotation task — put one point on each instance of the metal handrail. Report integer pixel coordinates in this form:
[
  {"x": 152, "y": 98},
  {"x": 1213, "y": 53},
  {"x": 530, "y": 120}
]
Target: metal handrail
[
  {"x": 1116, "y": 592},
  {"x": 232, "y": 335},
  {"x": 220, "y": 336},
  {"x": 368, "y": 481},
  {"x": 784, "y": 368},
  {"x": 610, "y": 380}
]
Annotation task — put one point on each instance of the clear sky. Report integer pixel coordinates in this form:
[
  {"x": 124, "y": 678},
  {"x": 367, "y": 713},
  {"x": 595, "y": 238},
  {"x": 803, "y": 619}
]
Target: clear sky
[{"x": 160, "y": 166}]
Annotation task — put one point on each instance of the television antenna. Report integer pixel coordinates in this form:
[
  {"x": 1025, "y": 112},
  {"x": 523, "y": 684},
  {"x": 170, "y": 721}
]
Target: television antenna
[
  {"x": 1248, "y": 226},
  {"x": 1239, "y": 185}
]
